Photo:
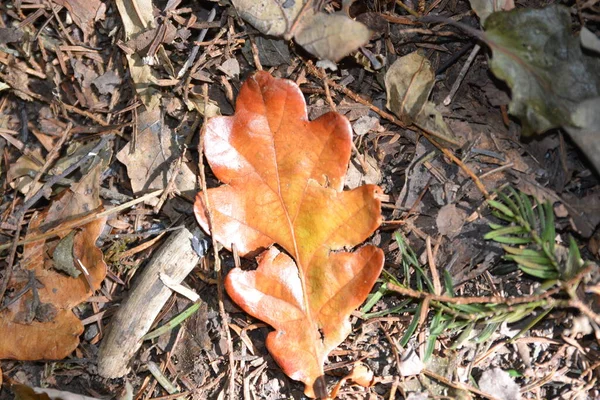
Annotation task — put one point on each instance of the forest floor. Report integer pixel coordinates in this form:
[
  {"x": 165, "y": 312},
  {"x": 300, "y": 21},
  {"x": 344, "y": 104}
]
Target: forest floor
[{"x": 94, "y": 116}]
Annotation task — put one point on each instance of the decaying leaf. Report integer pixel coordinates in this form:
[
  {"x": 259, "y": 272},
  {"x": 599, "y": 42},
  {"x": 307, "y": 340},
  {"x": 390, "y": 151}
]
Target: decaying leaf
[
  {"x": 586, "y": 132},
  {"x": 36, "y": 320},
  {"x": 408, "y": 84},
  {"x": 63, "y": 256},
  {"x": 283, "y": 179},
  {"x": 84, "y": 13},
  {"x": 327, "y": 36},
  {"x": 137, "y": 18},
  {"x": 271, "y": 52},
  {"x": 150, "y": 166},
  {"x": 549, "y": 75},
  {"x": 589, "y": 40},
  {"x": 498, "y": 383},
  {"x": 553, "y": 81},
  {"x": 21, "y": 173}
]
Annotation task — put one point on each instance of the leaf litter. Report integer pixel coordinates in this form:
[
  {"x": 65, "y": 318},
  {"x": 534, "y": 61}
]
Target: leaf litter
[{"x": 460, "y": 313}]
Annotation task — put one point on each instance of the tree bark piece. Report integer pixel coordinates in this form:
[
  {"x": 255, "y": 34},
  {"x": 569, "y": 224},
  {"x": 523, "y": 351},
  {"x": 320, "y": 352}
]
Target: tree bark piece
[{"x": 175, "y": 258}]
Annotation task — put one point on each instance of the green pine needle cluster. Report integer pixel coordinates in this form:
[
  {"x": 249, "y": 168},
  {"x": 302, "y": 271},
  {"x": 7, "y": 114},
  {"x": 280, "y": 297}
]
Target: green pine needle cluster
[{"x": 528, "y": 238}]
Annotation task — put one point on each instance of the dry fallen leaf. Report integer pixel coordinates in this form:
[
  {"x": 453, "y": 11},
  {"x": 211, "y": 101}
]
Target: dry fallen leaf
[
  {"x": 331, "y": 36},
  {"x": 269, "y": 16},
  {"x": 283, "y": 179},
  {"x": 38, "y": 323},
  {"x": 408, "y": 84},
  {"x": 150, "y": 166},
  {"x": 327, "y": 36},
  {"x": 483, "y": 8},
  {"x": 361, "y": 374},
  {"x": 83, "y": 12},
  {"x": 137, "y": 18},
  {"x": 498, "y": 383}
]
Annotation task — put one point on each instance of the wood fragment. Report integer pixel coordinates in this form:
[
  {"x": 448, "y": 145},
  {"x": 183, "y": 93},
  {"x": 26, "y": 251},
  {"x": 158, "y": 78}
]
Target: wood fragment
[{"x": 176, "y": 258}]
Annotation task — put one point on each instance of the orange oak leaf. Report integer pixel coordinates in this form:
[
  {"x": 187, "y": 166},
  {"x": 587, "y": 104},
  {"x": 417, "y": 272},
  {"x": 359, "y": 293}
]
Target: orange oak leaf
[
  {"x": 36, "y": 319},
  {"x": 283, "y": 181}
]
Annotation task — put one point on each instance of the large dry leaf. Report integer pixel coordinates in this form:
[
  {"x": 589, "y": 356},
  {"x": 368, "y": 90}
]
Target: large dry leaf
[
  {"x": 41, "y": 325},
  {"x": 283, "y": 178},
  {"x": 553, "y": 75},
  {"x": 550, "y": 75}
]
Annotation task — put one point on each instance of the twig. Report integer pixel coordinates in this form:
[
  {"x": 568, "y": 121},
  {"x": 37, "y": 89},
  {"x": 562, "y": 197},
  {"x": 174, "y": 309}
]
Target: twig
[
  {"x": 53, "y": 155},
  {"x": 569, "y": 285},
  {"x": 457, "y": 385},
  {"x": 171, "y": 184},
  {"x": 199, "y": 62},
  {"x": 462, "y": 166},
  {"x": 584, "y": 309},
  {"x": 461, "y": 75},
  {"x": 56, "y": 178},
  {"x": 435, "y": 277},
  {"x": 471, "y": 300},
  {"x": 255, "y": 56},
  {"x": 82, "y": 221},
  {"x": 11, "y": 259},
  {"x": 498, "y": 169},
  {"x": 455, "y": 57},
  {"x": 190, "y": 61},
  {"x": 217, "y": 260},
  {"x": 408, "y": 9}
]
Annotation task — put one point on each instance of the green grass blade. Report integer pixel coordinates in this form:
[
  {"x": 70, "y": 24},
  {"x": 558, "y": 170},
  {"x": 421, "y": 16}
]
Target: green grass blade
[
  {"x": 502, "y": 208},
  {"x": 507, "y": 230},
  {"x": 410, "y": 330}
]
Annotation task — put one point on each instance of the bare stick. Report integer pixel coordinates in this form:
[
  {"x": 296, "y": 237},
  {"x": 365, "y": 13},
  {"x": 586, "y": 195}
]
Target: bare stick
[
  {"x": 82, "y": 221},
  {"x": 175, "y": 258},
  {"x": 217, "y": 260},
  {"x": 190, "y": 61},
  {"x": 53, "y": 155},
  {"x": 462, "y": 74},
  {"x": 56, "y": 178}
]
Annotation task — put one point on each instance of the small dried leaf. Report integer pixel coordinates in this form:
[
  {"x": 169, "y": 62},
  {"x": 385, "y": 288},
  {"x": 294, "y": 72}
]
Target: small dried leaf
[
  {"x": 483, "y": 8},
  {"x": 331, "y": 36},
  {"x": 150, "y": 165},
  {"x": 270, "y": 17},
  {"x": 137, "y": 17},
  {"x": 272, "y": 52},
  {"x": 83, "y": 13},
  {"x": 498, "y": 383},
  {"x": 408, "y": 84},
  {"x": 63, "y": 256}
]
